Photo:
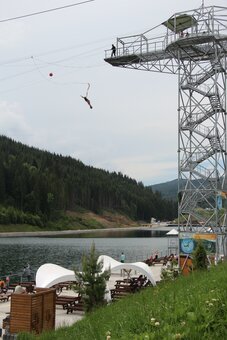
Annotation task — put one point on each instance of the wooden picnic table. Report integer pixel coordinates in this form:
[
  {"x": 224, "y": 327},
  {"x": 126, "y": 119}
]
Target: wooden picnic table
[
  {"x": 67, "y": 285},
  {"x": 66, "y": 300},
  {"x": 4, "y": 297},
  {"x": 77, "y": 306},
  {"x": 124, "y": 281}
]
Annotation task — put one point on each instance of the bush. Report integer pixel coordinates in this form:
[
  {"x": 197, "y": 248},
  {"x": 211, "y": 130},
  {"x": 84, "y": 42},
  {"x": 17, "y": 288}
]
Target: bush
[
  {"x": 199, "y": 258},
  {"x": 92, "y": 281}
]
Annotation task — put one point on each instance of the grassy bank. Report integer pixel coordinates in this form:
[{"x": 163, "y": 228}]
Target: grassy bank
[
  {"x": 76, "y": 221},
  {"x": 190, "y": 308}
]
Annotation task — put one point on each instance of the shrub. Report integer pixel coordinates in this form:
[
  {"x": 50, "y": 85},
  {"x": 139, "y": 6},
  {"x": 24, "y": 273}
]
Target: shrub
[
  {"x": 199, "y": 258},
  {"x": 92, "y": 281}
]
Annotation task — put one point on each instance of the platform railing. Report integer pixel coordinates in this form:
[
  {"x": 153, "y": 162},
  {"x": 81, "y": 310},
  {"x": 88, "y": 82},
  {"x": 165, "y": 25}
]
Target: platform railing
[{"x": 137, "y": 45}]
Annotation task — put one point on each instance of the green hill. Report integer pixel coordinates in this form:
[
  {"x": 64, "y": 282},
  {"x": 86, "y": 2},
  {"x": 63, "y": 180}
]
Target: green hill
[
  {"x": 168, "y": 190},
  {"x": 188, "y": 308},
  {"x": 40, "y": 188}
]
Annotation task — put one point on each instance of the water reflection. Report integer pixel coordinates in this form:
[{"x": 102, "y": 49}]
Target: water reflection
[
  {"x": 68, "y": 252},
  {"x": 118, "y": 233}
]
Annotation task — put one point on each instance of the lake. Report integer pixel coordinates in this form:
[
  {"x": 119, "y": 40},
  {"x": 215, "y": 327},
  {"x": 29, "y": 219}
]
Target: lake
[{"x": 16, "y": 252}]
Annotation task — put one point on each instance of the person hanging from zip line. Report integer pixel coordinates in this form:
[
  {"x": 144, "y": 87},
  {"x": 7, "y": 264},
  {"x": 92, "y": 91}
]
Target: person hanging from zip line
[
  {"x": 86, "y": 98},
  {"x": 87, "y": 101}
]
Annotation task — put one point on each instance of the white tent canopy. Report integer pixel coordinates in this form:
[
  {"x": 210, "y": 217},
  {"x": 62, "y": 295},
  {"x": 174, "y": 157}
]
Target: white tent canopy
[
  {"x": 50, "y": 274},
  {"x": 110, "y": 264},
  {"x": 172, "y": 232}
]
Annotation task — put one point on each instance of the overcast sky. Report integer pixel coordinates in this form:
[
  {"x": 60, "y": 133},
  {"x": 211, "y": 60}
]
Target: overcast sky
[{"x": 132, "y": 127}]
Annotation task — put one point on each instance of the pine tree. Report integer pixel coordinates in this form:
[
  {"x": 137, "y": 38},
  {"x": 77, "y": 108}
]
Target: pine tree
[
  {"x": 92, "y": 280},
  {"x": 200, "y": 257}
]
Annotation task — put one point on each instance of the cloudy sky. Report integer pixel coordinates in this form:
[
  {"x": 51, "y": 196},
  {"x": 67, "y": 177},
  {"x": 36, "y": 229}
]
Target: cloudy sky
[{"x": 132, "y": 127}]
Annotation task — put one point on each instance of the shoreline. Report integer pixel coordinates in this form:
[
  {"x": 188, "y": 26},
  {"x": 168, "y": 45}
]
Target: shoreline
[
  {"x": 159, "y": 227},
  {"x": 62, "y": 319}
]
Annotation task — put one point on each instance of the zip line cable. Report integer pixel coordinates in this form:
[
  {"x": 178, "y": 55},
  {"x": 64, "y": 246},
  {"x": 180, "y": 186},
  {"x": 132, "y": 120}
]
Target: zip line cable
[
  {"x": 57, "y": 82},
  {"x": 59, "y": 65},
  {"x": 45, "y": 11},
  {"x": 64, "y": 49}
]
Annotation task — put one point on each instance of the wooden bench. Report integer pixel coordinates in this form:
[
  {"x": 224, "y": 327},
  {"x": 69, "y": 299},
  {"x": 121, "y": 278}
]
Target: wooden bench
[
  {"x": 126, "y": 287},
  {"x": 64, "y": 285},
  {"x": 65, "y": 301},
  {"x": 4, "y": 297},
  {"x": 77, "y": 306},
  {"x": 121, "y": 288},
  {"x": 6, "y": 322},
  {"x": 117, "y": 295},
  {"x": 123, "y": 281}
]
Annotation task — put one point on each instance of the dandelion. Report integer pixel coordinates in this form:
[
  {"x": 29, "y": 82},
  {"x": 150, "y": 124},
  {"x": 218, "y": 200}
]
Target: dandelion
[
  {"x": 108, "y": 335},
  {"x": 178, "y": 336}
]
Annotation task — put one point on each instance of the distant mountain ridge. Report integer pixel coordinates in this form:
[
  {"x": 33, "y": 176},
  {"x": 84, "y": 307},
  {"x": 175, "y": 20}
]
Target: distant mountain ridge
[{"x": 168, "y": 190}]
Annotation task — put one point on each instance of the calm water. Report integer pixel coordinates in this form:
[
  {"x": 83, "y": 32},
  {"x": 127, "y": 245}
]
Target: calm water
[{"x": 67, "y": 252}]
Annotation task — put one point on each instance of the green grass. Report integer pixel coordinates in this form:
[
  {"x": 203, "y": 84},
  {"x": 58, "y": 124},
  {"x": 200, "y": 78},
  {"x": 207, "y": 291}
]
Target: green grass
[
  {"x": 62, "y": 222},
  {"x": 190, "y": 308},
  {"x": 66, "y": 224},
  {"x": 74, "y": 223},
  {"x": 8, "y": 228}
]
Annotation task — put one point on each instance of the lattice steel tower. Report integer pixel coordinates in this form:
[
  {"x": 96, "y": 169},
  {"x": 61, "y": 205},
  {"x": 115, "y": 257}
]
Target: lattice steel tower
[{"x": 192, "y": 45}]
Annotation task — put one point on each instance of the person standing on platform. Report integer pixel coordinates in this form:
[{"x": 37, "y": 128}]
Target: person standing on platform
[{"x": 113, "y": 53}]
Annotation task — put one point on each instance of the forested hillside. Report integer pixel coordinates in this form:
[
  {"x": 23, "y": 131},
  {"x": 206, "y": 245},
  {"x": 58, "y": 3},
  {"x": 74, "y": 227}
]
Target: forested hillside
[
  {"x": 168, "y": 190},
  {"x": 35, "y": 186}
]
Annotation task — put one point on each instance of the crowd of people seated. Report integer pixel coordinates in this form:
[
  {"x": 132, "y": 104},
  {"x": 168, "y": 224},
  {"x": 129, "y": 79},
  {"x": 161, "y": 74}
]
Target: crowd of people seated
[{"x": 164, "y": 260}]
